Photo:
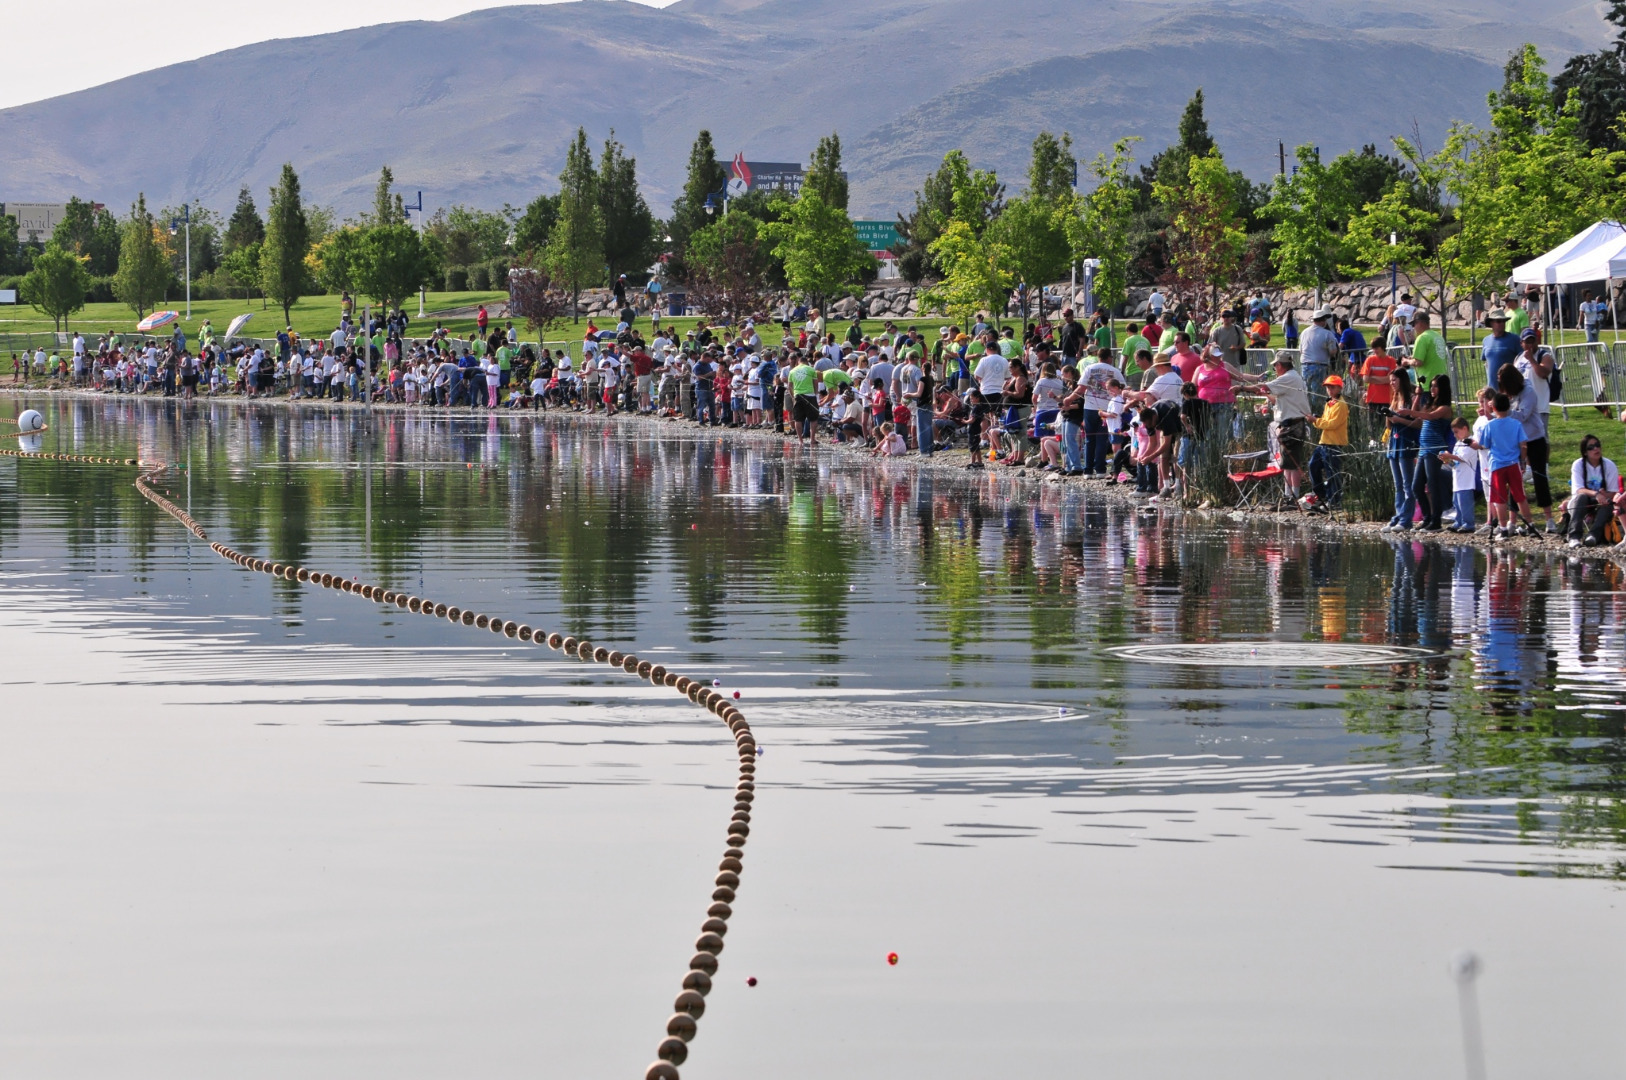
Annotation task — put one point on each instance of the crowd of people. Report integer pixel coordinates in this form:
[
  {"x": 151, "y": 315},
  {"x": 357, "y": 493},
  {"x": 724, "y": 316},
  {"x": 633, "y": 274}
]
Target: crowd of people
[{"x": 1069, "y": 398}]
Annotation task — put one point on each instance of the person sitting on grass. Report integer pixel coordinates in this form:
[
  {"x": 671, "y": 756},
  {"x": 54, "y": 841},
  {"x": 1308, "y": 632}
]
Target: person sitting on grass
[{"x": 1594, "y": 490}]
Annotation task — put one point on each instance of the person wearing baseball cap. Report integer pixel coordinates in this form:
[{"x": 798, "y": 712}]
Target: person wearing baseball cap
[
  {"x": 1327, "y": 463},
  {"x": 1499, "y": 346},
  {"x": 1318, "y": 348}
]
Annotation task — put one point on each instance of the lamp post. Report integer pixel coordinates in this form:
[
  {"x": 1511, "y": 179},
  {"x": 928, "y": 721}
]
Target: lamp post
[
  {"x": 175, "y": 226},
  {"x": 711, "y": 206},
  {"x": 407, "y": 209},
  {"x": 1394, "y": 268}
]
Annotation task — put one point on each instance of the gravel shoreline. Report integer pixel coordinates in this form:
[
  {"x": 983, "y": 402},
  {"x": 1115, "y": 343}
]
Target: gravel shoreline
[{"x": 1017, "y": 482}]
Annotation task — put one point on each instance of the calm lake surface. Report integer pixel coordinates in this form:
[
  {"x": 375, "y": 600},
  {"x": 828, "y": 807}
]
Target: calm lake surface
[{"x": 248, "y": 828}]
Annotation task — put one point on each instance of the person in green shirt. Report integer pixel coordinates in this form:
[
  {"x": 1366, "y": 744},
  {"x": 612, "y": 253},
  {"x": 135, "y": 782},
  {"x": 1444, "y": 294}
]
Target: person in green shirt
[
  {"x": 1103, "y": 337},
  {"x": 1134, "y": 343},
  {"x": 804, "y": 388},
  {"x": 1429, "y": 355},
  {"x": 1517, "y": 317}
]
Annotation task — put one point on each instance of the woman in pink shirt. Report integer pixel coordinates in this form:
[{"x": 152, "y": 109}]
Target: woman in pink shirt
[{"x": 1214, "y": 386}]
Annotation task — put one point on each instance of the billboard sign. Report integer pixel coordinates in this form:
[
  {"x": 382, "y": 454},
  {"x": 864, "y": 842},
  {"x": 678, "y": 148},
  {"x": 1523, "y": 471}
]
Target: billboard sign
[
  {"x": 877, "y": 235},
  {"x": 783, "y": 177},
  {"x": 35, "y": 221}
]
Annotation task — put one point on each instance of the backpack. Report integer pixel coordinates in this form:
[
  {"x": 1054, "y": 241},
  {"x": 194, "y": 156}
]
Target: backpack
[{"x": 1555, "y": 382}]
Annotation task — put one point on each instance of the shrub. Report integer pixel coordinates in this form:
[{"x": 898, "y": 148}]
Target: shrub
[
  {"x": 480, "y": 277},
  {"x": 457, "y": 279}
]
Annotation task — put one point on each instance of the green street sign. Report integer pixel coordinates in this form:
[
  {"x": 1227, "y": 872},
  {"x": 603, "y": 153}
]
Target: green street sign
[{"x": 877, "y": 235}]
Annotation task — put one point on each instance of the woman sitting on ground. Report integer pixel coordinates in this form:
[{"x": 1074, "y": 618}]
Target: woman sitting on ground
[{"x": 1594, "y": 491}]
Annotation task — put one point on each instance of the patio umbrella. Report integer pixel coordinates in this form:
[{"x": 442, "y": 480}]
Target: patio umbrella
[
  {"x": 157, "y": 319},
  {"x": 237, "y": 324}
]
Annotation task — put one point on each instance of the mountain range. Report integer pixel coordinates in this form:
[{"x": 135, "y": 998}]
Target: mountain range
[{"x": 479, "y": 109}]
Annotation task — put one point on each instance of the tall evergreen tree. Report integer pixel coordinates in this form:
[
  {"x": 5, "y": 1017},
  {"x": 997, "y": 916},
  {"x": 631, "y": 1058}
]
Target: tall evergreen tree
[
  {"x": 245, "y": 226},
  {"x": 824, "y": 173},
  {"x": 576, "y": 246},
  {"x": 629, "y": 227},
  {"x": 1052, "y": 169},
  {"x": 1173, "y": 165},
  {"x": 143, "y": 273},
  {"x": 287, "y": 242},
  {"x": 1598, "y": 80},
  {"x": 388, "y": 208},
  {"x": 706, "y": 177}
]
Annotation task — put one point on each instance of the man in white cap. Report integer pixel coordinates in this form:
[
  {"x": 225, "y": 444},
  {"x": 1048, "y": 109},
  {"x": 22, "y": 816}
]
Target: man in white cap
[{"x": 1318, "y": 348}]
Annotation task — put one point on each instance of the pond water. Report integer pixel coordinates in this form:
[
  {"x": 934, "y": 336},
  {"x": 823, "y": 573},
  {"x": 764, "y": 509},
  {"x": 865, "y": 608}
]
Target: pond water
[{"x": 1130, "y": 793}]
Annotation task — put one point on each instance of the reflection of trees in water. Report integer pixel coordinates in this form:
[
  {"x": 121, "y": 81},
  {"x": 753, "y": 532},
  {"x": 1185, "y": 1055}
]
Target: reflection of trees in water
[{"x": 1523, "y": 706}]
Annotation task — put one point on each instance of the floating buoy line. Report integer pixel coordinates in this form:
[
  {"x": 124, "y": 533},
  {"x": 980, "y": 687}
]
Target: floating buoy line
[{"x": 690, "y": 1004}]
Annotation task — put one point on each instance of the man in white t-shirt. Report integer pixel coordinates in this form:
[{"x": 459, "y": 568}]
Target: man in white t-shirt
[
  {"x": 991, "y": 372},
  {"x": 338, "y": 338}
]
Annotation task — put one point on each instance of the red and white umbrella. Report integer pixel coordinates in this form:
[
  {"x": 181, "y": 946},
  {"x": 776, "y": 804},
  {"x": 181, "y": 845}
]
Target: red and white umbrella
[{"x": 157, "y": 319}]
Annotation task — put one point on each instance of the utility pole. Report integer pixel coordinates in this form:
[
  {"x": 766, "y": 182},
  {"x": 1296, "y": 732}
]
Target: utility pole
[{"x": 1281, "y": 158}]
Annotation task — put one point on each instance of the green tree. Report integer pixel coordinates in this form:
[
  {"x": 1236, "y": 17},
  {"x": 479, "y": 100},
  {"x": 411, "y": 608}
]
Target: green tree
[
  {"x": 705, "y": 178},
  {"x": 1098, "y": 224},
  {"x": 819, "y": 248},
  {"x": 1172, "y": 167},
  {"x": 1310, "y": 206},
  {"x": 824, "y": 173},
  {"x": 730, "y": 267},
  {"x": 1598, "y": 82},
  {"x": 143, "y": 272},
  {"x": 1033, "y": 226},
  {"x": 1206, "y": 238},
  {"x": 976, "y": 262},
  {"x": 205, "y": 234},
  {"x": 534, "y": 226},
  {"x": 1052, "y": 168},
  {"x": 391, "y": 262},
  {"x": 1411, "y": 233},
  {"x": 388, "y": 207},
  {"x": 287, "y": 242},
  {"x": 629, "y": 227},
  {"x": 332, "y": 262},
  {"x": 245, "y": 226},
  {"x": 575, "y": 256},
  {"x": 91, "y": 231},
  {"x": 463, "y": 234},
  {"x": 9, "y": 261},
  {"x": 934, "y": 208},
  {"x": 1530, "y": 181},
  {"x": 57, "y": 283},
  {"x": 243, "y": 266}
]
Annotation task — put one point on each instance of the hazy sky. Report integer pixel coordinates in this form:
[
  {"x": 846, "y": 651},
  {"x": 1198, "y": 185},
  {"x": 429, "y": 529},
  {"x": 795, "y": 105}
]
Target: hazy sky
[{"x": 71, "y": 44}]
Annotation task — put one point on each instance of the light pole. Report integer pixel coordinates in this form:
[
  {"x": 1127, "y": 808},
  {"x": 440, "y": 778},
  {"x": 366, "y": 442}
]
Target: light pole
[
  {"x": 407, "y": 209},
  {"x": 1394, "y": 268},
  {"x": 711, "y": 207},
  {"x": 175, "y": 226}
]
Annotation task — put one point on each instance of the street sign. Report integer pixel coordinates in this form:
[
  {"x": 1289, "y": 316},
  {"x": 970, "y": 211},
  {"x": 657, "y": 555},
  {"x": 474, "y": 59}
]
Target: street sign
[{"x": 877, "y": 235}]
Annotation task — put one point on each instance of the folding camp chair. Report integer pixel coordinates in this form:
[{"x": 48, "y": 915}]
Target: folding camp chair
[{"x": 1257, "y": 476}]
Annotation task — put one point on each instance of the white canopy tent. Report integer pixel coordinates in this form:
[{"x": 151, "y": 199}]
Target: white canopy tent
[{"x": 1596, "y": 253}]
